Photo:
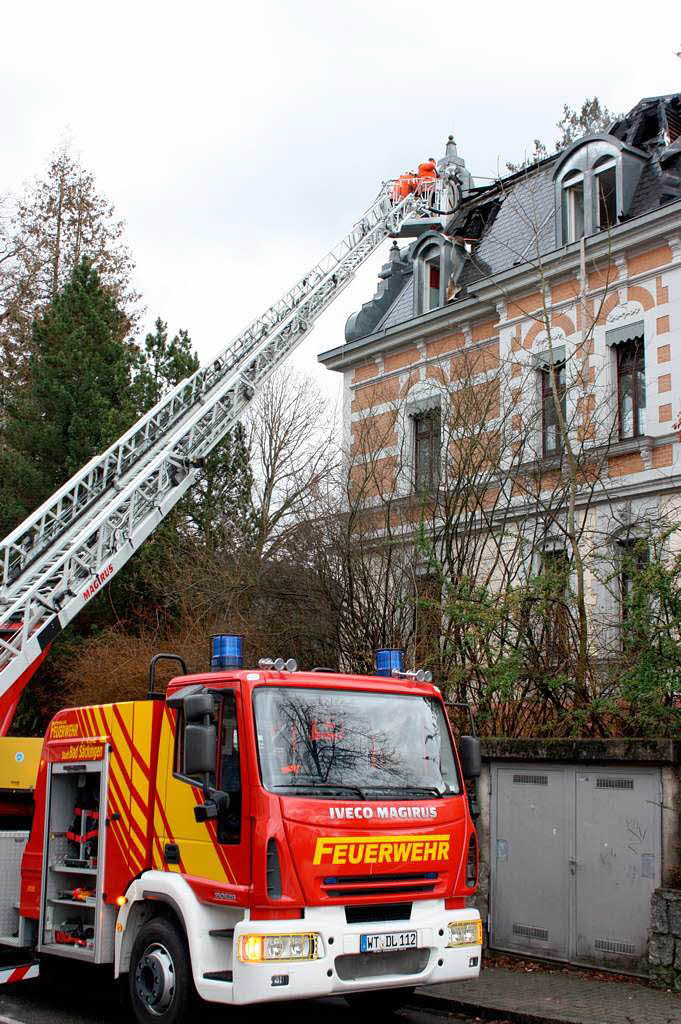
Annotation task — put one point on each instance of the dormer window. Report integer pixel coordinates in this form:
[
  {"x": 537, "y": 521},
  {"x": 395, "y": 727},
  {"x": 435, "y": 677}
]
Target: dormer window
[
  {"x": 432, "y": 269},
  {"x": 573, "y": 207},
  {"x": 595, "y": 181}
]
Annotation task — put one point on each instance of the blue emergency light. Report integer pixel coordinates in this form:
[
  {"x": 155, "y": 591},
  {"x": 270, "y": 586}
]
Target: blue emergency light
[
  {"x": 227, "y": 651},
  {"x": 387, "y": 659}
]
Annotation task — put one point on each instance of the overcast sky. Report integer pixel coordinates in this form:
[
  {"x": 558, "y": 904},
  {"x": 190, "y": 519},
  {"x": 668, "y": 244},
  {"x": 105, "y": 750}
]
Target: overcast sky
[{"x": 240, "y": 141}]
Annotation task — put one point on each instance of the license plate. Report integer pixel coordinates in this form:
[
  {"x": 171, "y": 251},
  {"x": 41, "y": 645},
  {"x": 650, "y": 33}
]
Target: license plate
[{"x": 385, "y": 942}]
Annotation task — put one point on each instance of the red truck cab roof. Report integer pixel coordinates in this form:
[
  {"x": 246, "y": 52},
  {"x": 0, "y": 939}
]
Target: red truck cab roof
[{"x": 250, "y": 678}]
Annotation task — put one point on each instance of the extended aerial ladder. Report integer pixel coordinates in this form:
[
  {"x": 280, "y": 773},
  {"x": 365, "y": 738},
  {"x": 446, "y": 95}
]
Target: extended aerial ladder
[{"x": 72, "y": 546}]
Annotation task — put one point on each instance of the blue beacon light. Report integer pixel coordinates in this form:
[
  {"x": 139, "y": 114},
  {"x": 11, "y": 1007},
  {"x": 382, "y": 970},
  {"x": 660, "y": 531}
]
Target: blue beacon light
[
  {"x": 227, "y": 651},
  {"x": 387, "y": 659}
]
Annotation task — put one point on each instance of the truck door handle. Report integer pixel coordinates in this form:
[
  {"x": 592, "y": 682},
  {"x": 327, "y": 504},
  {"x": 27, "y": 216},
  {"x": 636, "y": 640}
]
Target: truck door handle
[{"x": 171, "y": 853}]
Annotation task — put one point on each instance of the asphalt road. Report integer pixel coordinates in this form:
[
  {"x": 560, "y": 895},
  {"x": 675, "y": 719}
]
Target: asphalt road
[{"x": 76, "y": 999}]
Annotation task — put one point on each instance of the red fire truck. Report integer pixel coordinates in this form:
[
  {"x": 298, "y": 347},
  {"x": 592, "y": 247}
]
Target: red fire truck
[{"x": 250, "y": 836}]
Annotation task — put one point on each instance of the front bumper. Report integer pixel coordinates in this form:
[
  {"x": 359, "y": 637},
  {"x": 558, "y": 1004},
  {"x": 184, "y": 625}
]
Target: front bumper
[{"x": 341, "y": 968}]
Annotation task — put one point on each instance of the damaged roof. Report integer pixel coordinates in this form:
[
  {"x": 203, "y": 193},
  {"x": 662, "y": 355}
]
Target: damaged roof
[{"x": 513, "y": 220}]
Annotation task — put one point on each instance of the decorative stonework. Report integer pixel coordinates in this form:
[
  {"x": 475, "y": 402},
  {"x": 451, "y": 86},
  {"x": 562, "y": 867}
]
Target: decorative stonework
[
  {"x": 542, "y": 338},
  {"x": 626, "y": 310},
  {"x": 664, "y": 943}
]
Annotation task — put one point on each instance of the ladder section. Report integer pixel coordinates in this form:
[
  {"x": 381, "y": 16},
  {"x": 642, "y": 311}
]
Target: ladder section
[{"x": 63, "y": 554}]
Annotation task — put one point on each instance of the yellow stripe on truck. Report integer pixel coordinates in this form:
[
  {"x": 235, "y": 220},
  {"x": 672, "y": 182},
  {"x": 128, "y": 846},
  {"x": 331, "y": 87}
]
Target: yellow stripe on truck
[{"x": 381, "y": 849}]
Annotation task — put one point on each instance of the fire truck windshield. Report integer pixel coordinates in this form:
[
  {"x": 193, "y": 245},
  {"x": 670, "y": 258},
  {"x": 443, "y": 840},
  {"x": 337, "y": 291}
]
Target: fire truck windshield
[{"x": 359, "y": 745}]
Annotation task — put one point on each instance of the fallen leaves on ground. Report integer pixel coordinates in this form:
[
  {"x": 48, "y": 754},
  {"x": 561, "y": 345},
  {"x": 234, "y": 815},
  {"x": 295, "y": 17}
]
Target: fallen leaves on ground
[{"x": 509, "y": 962}]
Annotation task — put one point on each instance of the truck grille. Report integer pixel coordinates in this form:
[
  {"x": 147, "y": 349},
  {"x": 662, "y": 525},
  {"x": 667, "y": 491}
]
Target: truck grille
[
  {"x": 355, "y": 966},
  {"x": 343, "y": 886}
]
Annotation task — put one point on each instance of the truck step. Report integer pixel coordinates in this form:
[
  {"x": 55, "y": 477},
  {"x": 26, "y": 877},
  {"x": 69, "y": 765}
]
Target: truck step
[
  {"x": 22, "y": 972},
  {"x": 221, "y": 933},
  {"x": 218, "y": 975}
]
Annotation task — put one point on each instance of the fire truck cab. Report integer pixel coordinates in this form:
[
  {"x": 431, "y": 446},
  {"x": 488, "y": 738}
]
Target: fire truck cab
[{"x": 254, "y": 835}]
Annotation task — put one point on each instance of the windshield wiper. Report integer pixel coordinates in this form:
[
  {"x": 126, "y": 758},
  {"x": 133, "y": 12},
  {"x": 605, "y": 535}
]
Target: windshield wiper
[
  {"x": 409, "y": 790},
  {"x": 325, "y": 786}
]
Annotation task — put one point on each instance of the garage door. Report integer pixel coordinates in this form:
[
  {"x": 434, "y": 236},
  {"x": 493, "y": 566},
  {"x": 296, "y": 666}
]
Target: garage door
[{"x": 575, "y": 858}]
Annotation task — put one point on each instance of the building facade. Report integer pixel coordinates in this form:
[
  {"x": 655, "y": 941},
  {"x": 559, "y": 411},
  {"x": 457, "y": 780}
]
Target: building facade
[{"x": 515, "y": 380}]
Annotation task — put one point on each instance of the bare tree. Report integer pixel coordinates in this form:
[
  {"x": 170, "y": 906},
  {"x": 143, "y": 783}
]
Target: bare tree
[{"x": 293, "y": 439}]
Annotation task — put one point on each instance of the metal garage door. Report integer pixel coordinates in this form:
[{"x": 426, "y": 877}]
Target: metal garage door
[{"x": 575, "y": 858}]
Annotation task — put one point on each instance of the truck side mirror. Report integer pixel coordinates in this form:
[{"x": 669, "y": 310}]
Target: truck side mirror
[
  {"x": 197, "y": 706},
  {"x": 200, "y": 748},
  {"x": 469, "y": 752}
]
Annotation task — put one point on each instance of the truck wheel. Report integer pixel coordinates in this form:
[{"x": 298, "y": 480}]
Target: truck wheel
[
  {"x": 160, "y": 984},
  {"x": 387, "y": 1000}
]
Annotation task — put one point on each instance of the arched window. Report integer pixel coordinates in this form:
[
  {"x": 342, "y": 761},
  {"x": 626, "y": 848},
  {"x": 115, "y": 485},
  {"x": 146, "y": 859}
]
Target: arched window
[
  {"x": 432, "y": 268},
  {"x": 573, "y": 206},
  {"x": 595, "y": 180},
  {"x": 431, "y": 278}
]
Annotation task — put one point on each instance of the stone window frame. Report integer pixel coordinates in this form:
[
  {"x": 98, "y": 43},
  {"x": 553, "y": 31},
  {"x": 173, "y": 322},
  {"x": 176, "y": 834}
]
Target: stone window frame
[
  {"x": 431, "y": 244},
  {"x": 424, "y": 397},
  {"x": 616, "y": 335},
  {"x": 433, "y": 417},
  {"x": 541, "y": 363},
  {"x": 628, "y": 532}
]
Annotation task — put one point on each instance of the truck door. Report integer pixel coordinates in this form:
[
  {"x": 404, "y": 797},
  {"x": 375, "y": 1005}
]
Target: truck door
[{"x": 217, "y": 850}]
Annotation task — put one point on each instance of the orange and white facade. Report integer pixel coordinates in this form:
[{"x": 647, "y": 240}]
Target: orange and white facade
[{"x": 574, "y": 262}]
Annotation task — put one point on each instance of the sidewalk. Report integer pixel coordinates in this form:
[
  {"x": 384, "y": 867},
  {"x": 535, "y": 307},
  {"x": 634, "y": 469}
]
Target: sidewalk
[{"x": 544, "y": 997}]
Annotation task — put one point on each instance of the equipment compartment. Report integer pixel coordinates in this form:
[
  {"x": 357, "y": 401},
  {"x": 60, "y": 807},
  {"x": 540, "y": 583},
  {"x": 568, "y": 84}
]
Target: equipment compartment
[
  {"x": 11, "y": 850},
  {"x": 72, "y": 908}
]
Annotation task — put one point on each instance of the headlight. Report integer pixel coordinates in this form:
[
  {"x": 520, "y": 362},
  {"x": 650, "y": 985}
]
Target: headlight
[
  {"x": 465, "y": 933},
  {"x": 255, "y": 949}
]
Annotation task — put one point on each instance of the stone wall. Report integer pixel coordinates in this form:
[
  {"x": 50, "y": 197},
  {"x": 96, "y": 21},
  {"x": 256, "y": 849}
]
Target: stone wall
[{"x": 664, "y": 946}]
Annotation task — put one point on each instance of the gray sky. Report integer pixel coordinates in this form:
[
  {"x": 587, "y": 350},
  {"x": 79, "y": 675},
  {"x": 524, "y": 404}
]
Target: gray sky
[{"x": 239, "y": 141}]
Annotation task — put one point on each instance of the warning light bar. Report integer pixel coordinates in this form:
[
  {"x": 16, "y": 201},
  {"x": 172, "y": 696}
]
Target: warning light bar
[{"x": 227, "y": 651}]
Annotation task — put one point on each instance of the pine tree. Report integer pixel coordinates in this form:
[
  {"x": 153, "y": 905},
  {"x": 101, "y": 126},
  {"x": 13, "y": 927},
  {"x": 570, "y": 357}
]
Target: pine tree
[
  {"x": 78, "y": 399},
  {"x": 162, "y": 364},
  {"x": 219, "y": 511}
]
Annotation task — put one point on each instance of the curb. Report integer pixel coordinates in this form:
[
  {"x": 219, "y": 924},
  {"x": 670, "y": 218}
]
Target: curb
[{"x": 445, "y": 1004}]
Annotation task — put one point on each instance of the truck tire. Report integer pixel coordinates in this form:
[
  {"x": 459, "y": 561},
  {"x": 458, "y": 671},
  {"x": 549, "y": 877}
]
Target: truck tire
[
  {"x": 160, "y": 984},
  {"x": 386, "y": 1000}
]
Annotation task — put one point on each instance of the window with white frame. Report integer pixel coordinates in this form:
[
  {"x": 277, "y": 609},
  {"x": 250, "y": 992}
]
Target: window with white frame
[
  {"x": 432, "y": 257},
  {"x": 605, "y": 178},
  {"x": 633, "y": 558},
  {"x": 427, "y": 451},
  {"x": 555, "y": 568},
  {"x": 552, "y": 378},
  {"x": 430, "y": 281},
  {"x": 573, "y": 207},
  {"x": 631, "y": 388}
]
